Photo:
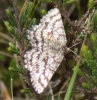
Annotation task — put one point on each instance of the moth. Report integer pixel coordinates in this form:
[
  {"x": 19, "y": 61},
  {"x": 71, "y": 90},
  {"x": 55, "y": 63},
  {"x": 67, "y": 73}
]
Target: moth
[{"x": 47, "y": 41}]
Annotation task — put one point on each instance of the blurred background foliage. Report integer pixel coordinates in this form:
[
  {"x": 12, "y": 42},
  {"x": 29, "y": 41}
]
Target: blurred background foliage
[{"x": 75, "y": 10}]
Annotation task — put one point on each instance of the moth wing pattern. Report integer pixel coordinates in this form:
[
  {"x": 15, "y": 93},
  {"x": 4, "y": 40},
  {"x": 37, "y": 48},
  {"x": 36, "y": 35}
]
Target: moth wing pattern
[{"x": 47, "y": 40}]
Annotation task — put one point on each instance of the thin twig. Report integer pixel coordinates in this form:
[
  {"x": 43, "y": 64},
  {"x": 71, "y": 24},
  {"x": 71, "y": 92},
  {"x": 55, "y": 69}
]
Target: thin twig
[
  {"x": 66, "y": 16},
  {"x": 64, "y": 84},
  {"x": 5, "y": 54},
  {"x": 59, "y": 93},
  {"x": 3, "y": 41},
  {"x": 7, "y": 37},
  {"x": 84, "y": 17},
  {"x": 51, "y": 91},
  {"x": 16, "y": 15}
]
